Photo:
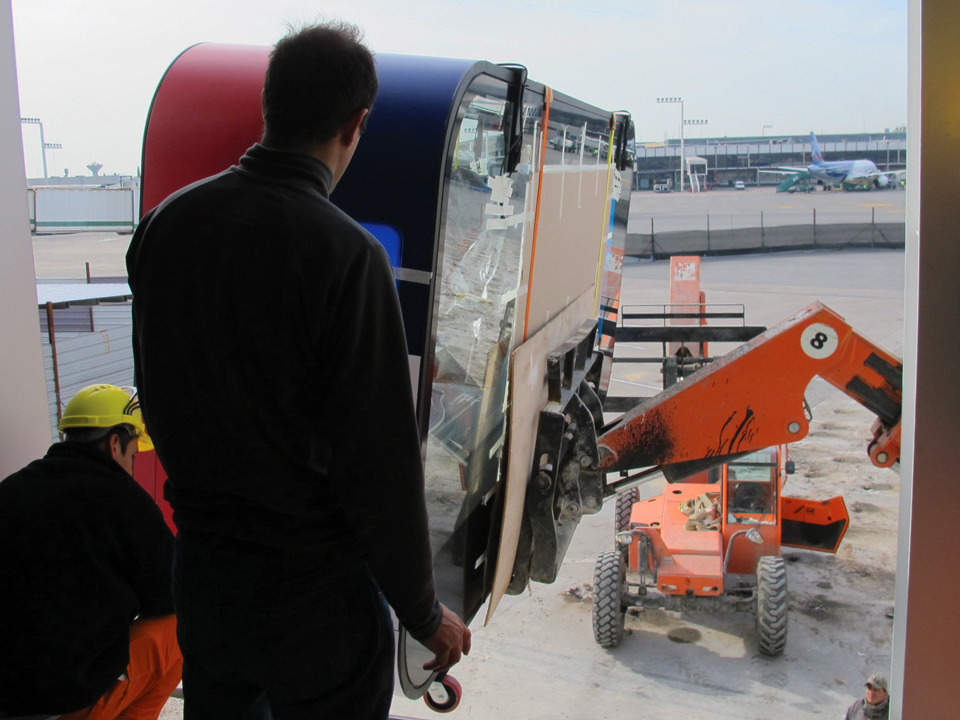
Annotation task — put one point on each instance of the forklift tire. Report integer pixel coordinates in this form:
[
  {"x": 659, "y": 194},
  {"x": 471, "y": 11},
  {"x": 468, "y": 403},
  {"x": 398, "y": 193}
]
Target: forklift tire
[
  {"x": 609, "y": 612},
  {"x": 771, "y": 605},
  {"x": 625, "y": 501}
]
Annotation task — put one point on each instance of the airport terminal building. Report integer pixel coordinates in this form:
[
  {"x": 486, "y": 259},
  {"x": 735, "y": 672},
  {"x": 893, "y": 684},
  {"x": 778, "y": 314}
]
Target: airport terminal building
[{"x": 720, "y": 162}]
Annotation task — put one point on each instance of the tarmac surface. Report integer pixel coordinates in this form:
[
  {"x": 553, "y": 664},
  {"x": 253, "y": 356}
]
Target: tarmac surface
[
  {"x": 65, "y": 256},
  {"x": 729, "y": 209},
  {"x": 537, "y": 659}
]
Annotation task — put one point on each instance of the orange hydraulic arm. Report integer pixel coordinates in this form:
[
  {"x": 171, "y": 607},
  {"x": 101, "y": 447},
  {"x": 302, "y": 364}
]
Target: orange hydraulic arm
[{"x": 752, "y": 398}]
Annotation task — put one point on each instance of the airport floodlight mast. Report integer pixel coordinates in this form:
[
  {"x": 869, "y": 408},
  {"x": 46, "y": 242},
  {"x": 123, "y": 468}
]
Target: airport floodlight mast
[
  {"x": 680, "y": 101},
  {"x": 687, "y": 165},
  {"x": 683, "y": 122},
  {"x": 51, "y": 146},
  {"x": 44, "y": 146},
  {"x": 763, "y": 132}
]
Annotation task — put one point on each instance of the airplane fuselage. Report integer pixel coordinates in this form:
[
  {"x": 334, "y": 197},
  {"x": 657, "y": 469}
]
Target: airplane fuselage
[{"x": 854, "y": 172}]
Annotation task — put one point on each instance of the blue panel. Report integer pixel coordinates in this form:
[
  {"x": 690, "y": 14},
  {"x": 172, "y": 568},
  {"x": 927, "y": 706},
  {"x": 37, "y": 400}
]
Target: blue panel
[
  {"x": 397, "y": 171},
  {"x": 389, "y": 238}
]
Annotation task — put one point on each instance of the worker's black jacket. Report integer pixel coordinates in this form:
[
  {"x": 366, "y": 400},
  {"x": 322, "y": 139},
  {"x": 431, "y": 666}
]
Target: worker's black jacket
[
  {"x": 274, "y": 376},
  {"x": 83, "y": 551}
]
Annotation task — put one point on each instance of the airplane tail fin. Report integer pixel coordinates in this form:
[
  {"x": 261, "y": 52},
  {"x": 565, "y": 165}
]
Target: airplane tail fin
[{"x": 815, "y": 149}]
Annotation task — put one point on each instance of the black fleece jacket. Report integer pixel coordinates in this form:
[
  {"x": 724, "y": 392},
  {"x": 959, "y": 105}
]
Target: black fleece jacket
[
  {"x": 84, "y": 550},
  {"x": 274, "y": 376}
]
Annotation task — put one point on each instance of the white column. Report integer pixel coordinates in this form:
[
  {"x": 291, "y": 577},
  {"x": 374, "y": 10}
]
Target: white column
[
  {"x": 926, "y": 643},
  {"x": 24, "y": 424}
]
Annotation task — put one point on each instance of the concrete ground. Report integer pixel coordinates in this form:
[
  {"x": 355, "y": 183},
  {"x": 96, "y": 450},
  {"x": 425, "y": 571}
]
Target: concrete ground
[
  {"x": 537, "y": 659},
  {"x": 64, "y": 256},
  {"x": 728, "y": 209}
]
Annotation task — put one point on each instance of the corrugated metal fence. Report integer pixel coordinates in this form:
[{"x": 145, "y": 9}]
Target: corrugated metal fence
[
  {"x": 69, "y": 209},
  {"x": 102, "y": 356}
]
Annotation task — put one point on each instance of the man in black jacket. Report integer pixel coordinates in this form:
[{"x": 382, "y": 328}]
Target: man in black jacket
[
  {"x": 271, "y": 360},
  {"x": 86, "y": 606}
]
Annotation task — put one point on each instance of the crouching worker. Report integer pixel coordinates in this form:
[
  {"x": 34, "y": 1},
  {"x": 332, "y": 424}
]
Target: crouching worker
[{"x": 86, "y": 603}]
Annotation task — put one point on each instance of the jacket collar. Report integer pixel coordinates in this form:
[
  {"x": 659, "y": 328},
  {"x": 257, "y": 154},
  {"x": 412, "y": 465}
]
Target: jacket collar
[
  {"x": 285, "y": 165},
  {"x": 74, "y": 452}
]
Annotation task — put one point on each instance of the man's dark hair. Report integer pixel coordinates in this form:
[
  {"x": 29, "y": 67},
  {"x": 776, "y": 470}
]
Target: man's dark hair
[
  {"x": 317, "y": 79},
  {"x": 100, "y": 438}
]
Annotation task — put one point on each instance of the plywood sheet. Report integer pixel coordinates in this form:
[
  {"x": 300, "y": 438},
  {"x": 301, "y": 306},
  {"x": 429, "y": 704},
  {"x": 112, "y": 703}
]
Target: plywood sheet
[
  {"x": 572, "y": 228},
  {"x": 527, "y": 396}
]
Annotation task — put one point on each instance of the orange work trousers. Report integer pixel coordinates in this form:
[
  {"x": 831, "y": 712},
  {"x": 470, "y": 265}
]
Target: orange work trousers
[{"x": 153, "y": 673}]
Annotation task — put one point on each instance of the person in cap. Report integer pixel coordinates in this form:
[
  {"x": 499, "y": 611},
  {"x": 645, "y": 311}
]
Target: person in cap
[
  {"x": 875, "y": 705},
  {"x": 86, "y": 606}
]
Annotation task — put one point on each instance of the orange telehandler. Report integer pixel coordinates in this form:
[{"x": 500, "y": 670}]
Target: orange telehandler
[
  {"x": 716, "y": 538},
  {"x": 713, "y": 541},
  {"x": 719, "y": 437}
]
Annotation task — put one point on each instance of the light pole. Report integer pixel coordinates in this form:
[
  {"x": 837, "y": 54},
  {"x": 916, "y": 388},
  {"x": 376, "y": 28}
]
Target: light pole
[
  {"x": 764, "y": 131},
  {"x": 44, "y": 146},
  {"x": 693, "y": 122},
  {"x": 50, "y": 146},
  {"x": 677, "y": 100}
]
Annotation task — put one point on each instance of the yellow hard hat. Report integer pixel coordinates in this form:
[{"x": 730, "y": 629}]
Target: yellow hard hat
[{"x": 104, "y": 406}]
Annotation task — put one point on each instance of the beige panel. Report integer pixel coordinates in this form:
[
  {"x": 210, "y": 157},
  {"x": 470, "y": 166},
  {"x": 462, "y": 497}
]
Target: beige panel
[
  {"x": 528, "y": 395},
  {"x": 572, "y": 226}
]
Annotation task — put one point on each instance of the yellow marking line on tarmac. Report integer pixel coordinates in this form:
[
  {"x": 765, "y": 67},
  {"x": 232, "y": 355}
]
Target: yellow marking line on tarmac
[
  {"x": 874, "y": 204},
  {"x": 785, "y": 207}
]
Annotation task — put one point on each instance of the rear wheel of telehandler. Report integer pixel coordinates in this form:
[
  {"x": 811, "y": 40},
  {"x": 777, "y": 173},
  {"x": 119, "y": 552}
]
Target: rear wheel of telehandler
[
  {"x": 625, "y": 501},
  {"x": 609, "y": 612},
  {"x": 771, "y": 605}
]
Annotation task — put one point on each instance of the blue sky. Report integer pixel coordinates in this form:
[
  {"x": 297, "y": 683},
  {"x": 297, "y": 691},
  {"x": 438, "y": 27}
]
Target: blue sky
[{"x": 88, "y": 68}]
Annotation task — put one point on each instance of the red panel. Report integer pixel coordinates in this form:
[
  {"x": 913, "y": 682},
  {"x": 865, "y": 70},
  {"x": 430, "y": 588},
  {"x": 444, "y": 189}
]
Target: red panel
[
  {"x": 149, "y": 473},
  {"x": 205, "y": 115},
  {"x": 145, "y": 471}
]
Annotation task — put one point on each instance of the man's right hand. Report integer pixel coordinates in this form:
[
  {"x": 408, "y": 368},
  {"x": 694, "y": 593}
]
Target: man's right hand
[{"x": 448, "y": 643}]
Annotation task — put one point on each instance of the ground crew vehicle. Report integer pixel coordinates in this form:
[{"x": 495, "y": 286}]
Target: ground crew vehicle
[
  {"x": 718, "y": 415},
  {"x": 714, "y": 540}
]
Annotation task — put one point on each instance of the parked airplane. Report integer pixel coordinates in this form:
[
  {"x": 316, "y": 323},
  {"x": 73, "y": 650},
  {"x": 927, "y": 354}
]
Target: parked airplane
[{"x": 856, "y": 173}]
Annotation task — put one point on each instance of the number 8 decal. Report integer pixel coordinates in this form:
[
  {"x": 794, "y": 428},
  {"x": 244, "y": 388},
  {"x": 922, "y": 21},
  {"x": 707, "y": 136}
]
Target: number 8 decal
[{"x": 819, "y": 341}]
